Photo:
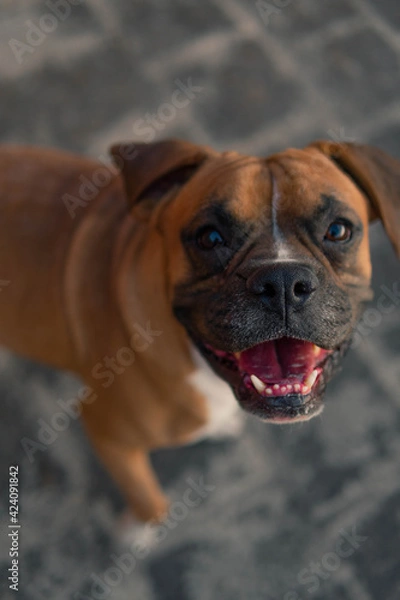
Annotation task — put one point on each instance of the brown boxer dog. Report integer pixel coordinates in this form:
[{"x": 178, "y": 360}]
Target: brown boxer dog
[{"x": 256, "y": 269}]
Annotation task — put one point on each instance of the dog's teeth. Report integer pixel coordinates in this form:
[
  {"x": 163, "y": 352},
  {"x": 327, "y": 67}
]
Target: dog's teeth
[
  {"x": 305, "y": 390},
  {"x": 258, "y": 384},
  {"x": 283, "y": 389},
  {"x": 276, "y": 386},
  {"x": 269, "y": 391},
  {"x": 311, "y": 379},
  {"x": 317, "y": 350},
  {"x": 289, "y": 388},
  {"x": 297, "y": 387}
]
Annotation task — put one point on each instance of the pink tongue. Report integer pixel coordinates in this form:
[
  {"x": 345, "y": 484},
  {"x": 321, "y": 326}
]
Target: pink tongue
[{"x": 279, "y": 360}]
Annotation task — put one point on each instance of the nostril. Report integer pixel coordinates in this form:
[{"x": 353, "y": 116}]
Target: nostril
[{"x": 302, "y": 288}]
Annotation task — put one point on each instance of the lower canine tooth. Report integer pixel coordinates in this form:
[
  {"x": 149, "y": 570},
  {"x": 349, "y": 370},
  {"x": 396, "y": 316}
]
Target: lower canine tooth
[
  {"x": 311, "y": 379},
  {"x": 317, "y": 350},
  {"x": 258, "y": 384}
]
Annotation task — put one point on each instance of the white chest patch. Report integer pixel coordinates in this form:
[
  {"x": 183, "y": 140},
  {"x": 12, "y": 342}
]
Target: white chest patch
[{"x": 225, "y": 416}]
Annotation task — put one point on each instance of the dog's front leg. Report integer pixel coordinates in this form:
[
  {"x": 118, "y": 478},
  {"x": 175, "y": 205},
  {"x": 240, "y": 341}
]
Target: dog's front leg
[{"x": 133, "y": 473}]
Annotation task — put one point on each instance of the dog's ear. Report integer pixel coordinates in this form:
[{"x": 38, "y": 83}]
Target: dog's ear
[
  {"x": 152, "y": 170},
  {"x": 377, "y": 174}
]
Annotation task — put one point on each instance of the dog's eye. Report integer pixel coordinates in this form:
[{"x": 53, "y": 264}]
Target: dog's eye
[
  {"x": 209, "y": 238},
  {"x": 338, "y": 232}
]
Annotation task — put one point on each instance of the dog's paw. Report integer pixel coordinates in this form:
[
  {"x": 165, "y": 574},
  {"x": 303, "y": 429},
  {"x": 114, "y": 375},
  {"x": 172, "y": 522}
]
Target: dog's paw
[{"x": 132, "y": 532}]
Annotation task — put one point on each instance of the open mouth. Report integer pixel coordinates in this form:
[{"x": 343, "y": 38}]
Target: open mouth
[{"x": 279, "y": 380}]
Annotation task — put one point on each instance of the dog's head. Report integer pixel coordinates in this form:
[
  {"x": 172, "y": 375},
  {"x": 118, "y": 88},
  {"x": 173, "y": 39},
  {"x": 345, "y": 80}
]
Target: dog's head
[{"x": 267, "y": 258}]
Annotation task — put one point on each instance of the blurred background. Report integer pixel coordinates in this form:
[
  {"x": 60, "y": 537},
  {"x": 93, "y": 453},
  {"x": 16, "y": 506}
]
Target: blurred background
[{"x": 296, "y": 512}]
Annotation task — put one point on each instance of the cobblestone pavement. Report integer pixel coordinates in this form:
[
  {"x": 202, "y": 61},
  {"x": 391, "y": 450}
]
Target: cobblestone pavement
[{"x": 309, "y": 511}]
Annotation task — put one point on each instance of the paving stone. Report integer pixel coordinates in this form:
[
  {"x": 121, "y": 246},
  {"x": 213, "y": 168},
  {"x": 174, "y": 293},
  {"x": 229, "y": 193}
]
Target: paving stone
[
  {"x": 380, "y": 550},
  {"x": 388, "y": 139},
  {"x": 359, "y": 72},
  {"x": 168, "y": 24},
  {"x": 247, "y": 79},
  {"x": 53, "y": 95},
  {"x": 389, "y": 11},
  {"x": 30, "y": 24},
  {"x": 286, "y": 18}
]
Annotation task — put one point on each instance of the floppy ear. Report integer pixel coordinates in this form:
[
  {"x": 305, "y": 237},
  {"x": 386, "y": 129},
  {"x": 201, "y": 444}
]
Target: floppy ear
[
  {"x": 152, "y": 170},
  {"x": 377, "y": 175}
]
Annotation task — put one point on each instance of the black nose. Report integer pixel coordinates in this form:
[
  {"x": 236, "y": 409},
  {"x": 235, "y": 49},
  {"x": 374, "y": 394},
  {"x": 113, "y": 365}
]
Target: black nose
[{"x": 283, "y": 285}]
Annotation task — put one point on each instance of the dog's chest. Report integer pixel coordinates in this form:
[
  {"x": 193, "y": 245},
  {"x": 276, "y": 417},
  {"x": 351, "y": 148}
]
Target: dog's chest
[{"x": 225, "y": 416}]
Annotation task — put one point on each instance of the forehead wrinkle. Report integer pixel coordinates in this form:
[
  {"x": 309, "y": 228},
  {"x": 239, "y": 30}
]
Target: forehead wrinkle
[
  {"x": 225, "y": 164},
  {"x": 224, "y": 177},
  {"x": 214, "y": 206},
  {"x": 246, "y": 184}
]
